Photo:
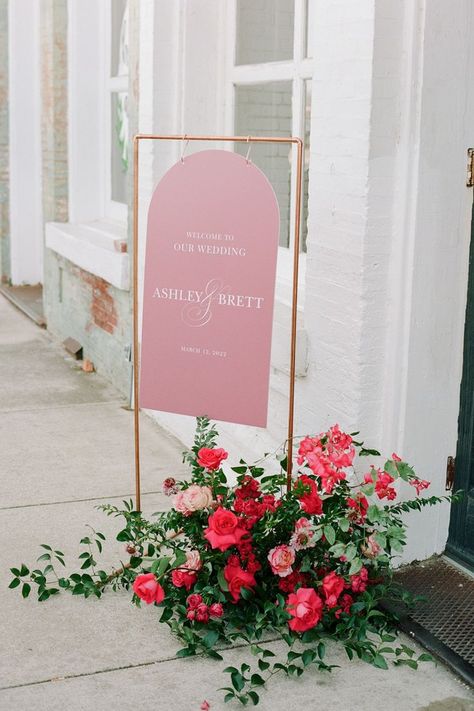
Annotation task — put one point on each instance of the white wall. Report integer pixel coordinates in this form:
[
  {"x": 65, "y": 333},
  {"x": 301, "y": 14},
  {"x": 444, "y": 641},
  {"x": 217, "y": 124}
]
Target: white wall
[
  {"x": 389, "y": 231},
  {"x": 26, "y": 227}
]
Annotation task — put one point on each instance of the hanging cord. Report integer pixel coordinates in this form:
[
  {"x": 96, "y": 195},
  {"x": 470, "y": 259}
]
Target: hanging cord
[
  {"x": 248, "y": 151},
  {"x": 184, "y": 147}
]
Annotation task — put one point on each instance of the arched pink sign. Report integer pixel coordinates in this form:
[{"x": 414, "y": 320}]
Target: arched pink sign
[{"x": 212, "y": 242}]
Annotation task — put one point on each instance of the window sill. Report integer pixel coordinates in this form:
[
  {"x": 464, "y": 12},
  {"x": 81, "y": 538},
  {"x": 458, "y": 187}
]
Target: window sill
[{"x": 98, "y": 247}]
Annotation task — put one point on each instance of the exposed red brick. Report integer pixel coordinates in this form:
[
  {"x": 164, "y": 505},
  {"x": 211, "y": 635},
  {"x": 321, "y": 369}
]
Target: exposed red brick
[{"x": 102, "y": 307}]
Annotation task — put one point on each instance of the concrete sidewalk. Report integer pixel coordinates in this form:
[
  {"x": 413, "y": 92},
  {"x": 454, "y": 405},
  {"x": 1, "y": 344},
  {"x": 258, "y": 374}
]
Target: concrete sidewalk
[{"x": 66, "y": 445}]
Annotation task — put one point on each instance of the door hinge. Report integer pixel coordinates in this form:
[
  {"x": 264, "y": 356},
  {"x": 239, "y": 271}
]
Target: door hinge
[
  {"x": 450, "y": 472},
  {"x": 470, "y": 168}
]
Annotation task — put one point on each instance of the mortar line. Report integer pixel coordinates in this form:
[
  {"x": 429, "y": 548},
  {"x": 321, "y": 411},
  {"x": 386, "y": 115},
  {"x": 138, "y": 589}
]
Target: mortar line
[
  {"x": 76, "y": 501},
  {"x": 42, "y": 408},
  {"x": 121, "y": 668}
]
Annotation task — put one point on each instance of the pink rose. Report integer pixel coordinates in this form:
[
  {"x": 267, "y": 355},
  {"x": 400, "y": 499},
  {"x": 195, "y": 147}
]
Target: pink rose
[
  {"x": 183, "y": 579},
  {"x": 147, "y": 588},
  {"x": 211, "y": 458},
  {"x": 371, "y": 548},
  {"x": 224, "y": 529},
  {"x": 306, "y": 609},
  {"x": 281, "y": 559},
  {"x": 333, "y": 585},
  {"x": 216, "y": 609},
  {"x": 202, "y": 613},
  {"x": 303, "y": 537},
  {"x": 193, "y": 601},
  {"x": 194, "y": 498}
]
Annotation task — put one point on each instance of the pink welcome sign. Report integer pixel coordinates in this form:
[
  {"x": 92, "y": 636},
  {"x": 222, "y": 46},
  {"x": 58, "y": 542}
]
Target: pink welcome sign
[{"x": 212, "y": 242}]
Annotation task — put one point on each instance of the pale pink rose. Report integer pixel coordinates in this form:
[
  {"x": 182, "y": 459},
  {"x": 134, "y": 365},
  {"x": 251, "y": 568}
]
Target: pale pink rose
[
  {"x": 193, "y": 560},
  {"x": 281, "y": 559},
  {"x": 303, "y": 537},
  {"x": 371, "y": 549},
  {"x": 194, "y": 498}
]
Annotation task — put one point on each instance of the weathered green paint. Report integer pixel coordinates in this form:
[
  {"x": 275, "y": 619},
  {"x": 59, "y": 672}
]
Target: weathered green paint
[{"x": 461, "y": 531}]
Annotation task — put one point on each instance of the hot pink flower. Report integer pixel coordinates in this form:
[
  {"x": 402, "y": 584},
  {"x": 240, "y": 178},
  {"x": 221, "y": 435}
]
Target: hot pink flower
[
  {"x": 395, "y": 457},
  {"x": 306, "y": 609},
  {"x": 211, "y": 458},
  {"x": 205, "y": 706},
  {"x": 333, "y": 585},
  {"x": 419, "y": 484},
  {"x": 183, "y": 579},
  {"x": 237, "y": 578},
  {"x": 216, "y": 609},
  {"x": 310, "y": 501},
  {"x": 281, "y": 559},
  {"x": 382, "y": 488},
  {"x": 193, "y": 601},
  {"x": 224, "y": 529},
  {"x": 359, "y": 581},
  {"x": 148, "y": 589},
  {"x": 202, "y": 612}
]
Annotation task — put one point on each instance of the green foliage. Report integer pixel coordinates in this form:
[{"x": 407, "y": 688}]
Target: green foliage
[{"x": 343, "y": 542}]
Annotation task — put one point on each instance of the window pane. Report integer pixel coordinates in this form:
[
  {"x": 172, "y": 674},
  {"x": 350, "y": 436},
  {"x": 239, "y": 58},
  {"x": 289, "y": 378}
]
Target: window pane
[
  {"x": 310, "y": 14},
  {"x": 264, "y": 31},
  {"x": 119, "y": 146},
  {"x": 119, "y": 38},
  {"x": 265, "y": 109},
  {"x": 307, "y": 134}
]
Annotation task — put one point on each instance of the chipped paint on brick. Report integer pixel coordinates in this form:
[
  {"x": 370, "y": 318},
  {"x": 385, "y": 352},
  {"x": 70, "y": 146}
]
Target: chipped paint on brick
[{"x": 102, "y": 305}]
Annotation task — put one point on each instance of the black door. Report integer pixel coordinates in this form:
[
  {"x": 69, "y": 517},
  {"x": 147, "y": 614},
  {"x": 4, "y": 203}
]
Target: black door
[{"x": 461, "y": 529}]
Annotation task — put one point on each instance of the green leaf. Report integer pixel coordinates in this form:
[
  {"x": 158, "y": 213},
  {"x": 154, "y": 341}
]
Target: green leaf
[
  {"x": 222, "y": 581},
  {"x": 356, "y": 565},
  {"x": 337, "y": 550},
  {"x": 48, "y": 548},
  {"x": 210, "y": 639},
  {"x": 25, "y": 591},
  {"x": 14, "y": 583},
  {"x": 330, "y": 534},
  {"x": 254, "y": 697},
  {"x": 185, "y": 652},
  {"x": 373, "y": 513},
  {"x": 380, "y": 662},
  {"x": 263, "y": 666},
  {"x": 308, "y": 656},
  {"x": 425, "y": 658},
  {"x": 237, "y": 681},
  {"x": 24, "y": 570},
  {"x": 231, "y": 670},
  {"x": 351, "y": 552},
  {"x": 321, "y": 650},
  {"x": 344, "y": 524},
  {"x": 179, "y": 558},
  {"x": 257, "y": 680}
]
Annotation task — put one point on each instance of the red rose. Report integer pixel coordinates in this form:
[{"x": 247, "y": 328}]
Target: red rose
[
  {"x": 359, "y": 582},
  {"x": 306, "y": 609},
  {"x": 224, "y": 529},
  {"x": 237, "y": 578},
  {"x": 183, "y": 579},
  {"x": 211, "y": 458},
  {"x": 147, "y": 588},
  {"x": 248, "y": 489},
  {"x": 333, "y": 585},
  {"x": 310, "y": 500}
]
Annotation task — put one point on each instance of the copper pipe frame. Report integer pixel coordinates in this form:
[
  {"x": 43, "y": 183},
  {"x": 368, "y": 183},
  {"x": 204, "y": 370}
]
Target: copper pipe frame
[{"x": 294, "y": 303}]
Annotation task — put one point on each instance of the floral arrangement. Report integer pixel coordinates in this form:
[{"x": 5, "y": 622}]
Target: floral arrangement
[{"x": 306, "y": 564}]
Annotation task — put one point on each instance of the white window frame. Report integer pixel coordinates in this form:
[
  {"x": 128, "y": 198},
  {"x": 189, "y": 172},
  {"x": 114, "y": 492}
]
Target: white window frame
[
  {"x": 112, "y": 208},
  {"x": 297, "y": 70}
]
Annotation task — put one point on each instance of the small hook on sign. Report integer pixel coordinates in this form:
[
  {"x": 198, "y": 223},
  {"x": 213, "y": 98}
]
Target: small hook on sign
[
  {"x": 185, "y": 145},
  {"x": 248, "y": 151}
]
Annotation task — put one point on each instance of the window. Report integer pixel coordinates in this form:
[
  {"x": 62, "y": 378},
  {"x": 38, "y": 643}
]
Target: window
[
  {"x": 116, "y": 115},
  {"x": 271, "y": 83}
]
